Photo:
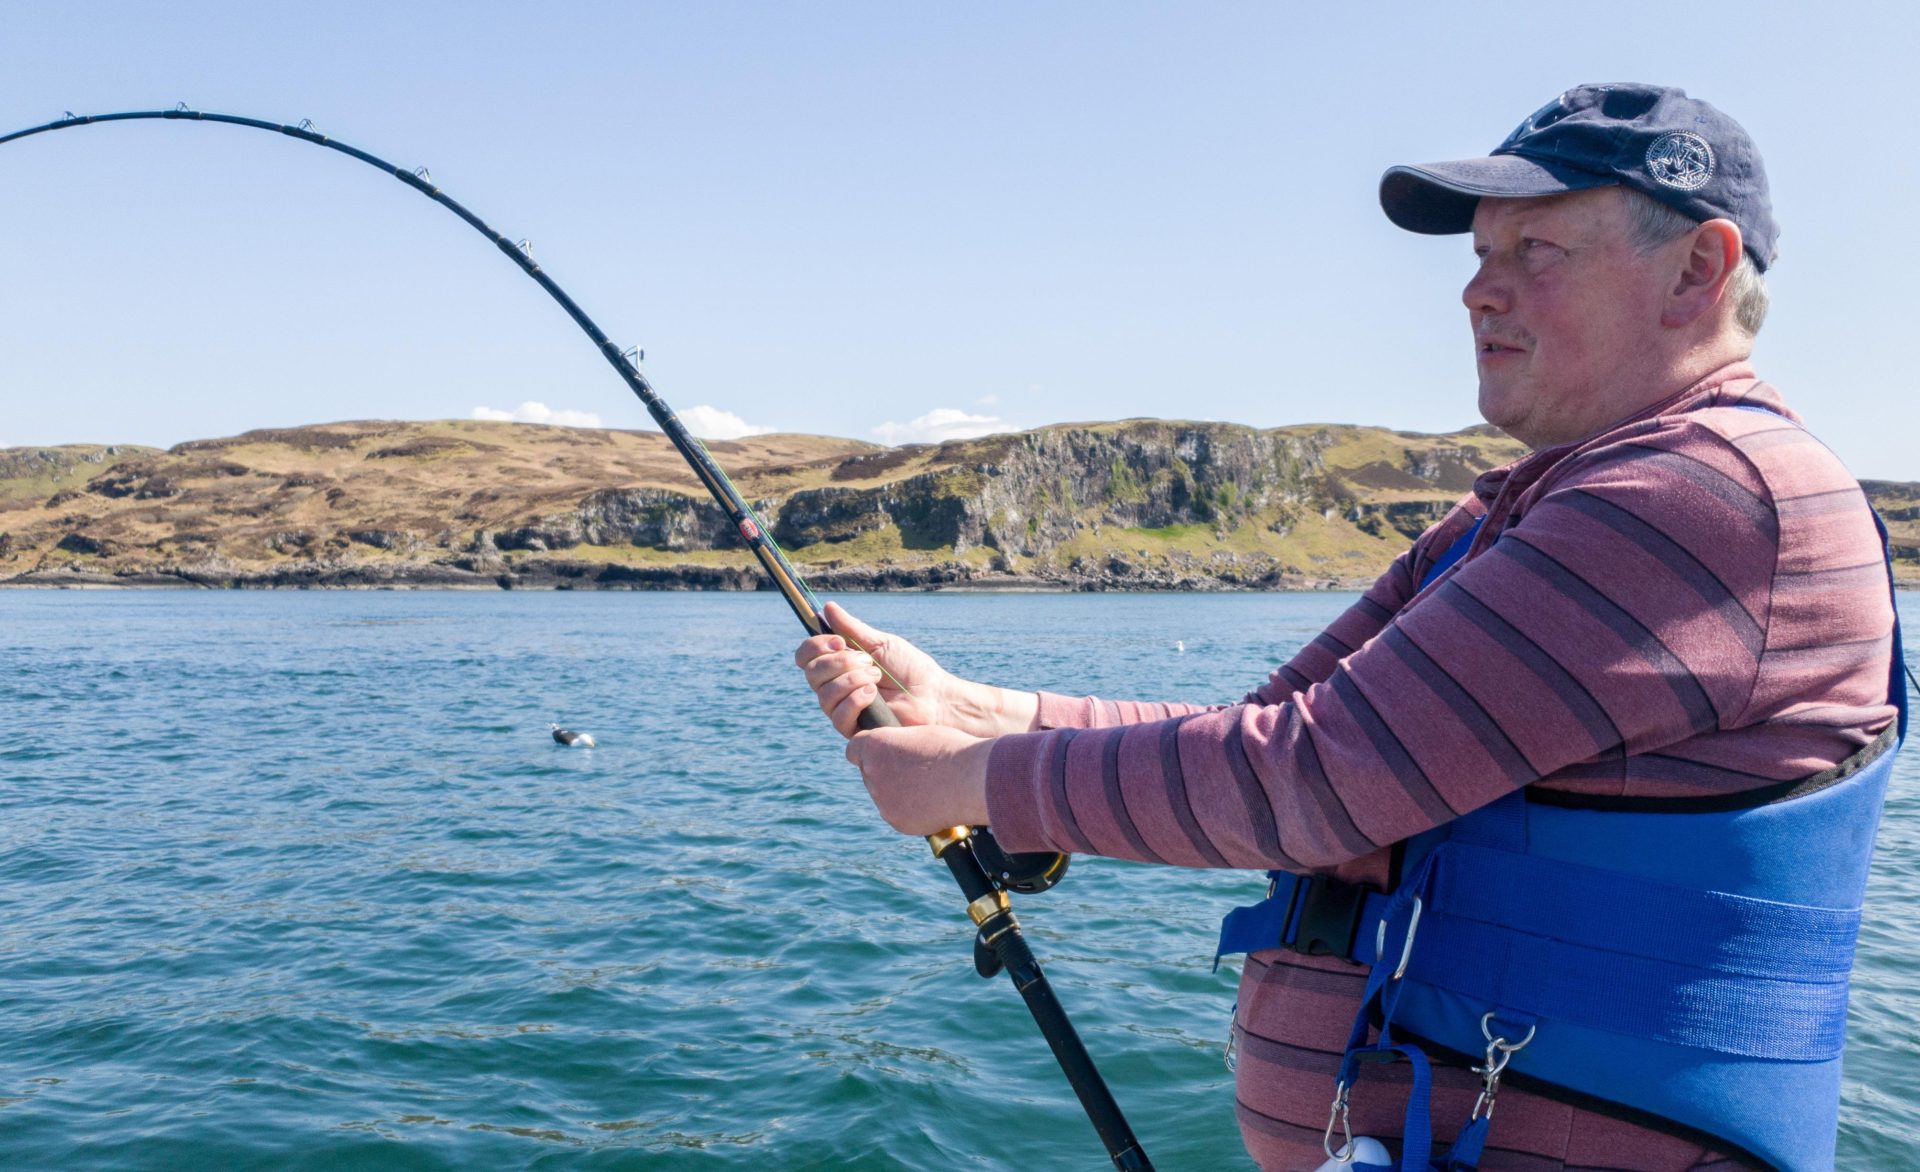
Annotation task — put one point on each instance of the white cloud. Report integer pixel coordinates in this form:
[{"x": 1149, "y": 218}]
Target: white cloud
[
  {"x": 987, "y": 401},
  {"x": 939, "y": 425},
  {"x": 715, "y": 424},
  {"x": 532, "y": 412}
]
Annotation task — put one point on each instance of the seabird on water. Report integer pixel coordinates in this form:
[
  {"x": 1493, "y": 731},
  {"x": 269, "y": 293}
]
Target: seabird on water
[{"x": 571, "y": 739}]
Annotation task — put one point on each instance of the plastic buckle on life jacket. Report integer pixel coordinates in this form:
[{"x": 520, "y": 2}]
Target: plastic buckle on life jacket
[{"x": 1329, "y": 917}]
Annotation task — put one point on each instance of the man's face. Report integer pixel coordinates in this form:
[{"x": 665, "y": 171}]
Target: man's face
[{"x": 1566, "y": 315}]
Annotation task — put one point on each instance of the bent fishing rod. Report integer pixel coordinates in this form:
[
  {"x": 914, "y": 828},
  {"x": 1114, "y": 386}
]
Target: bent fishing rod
[{"x": 984, "y": 872}]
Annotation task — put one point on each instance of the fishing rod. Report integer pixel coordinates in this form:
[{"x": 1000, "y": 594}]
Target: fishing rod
[{"x": 984, "y": 872}]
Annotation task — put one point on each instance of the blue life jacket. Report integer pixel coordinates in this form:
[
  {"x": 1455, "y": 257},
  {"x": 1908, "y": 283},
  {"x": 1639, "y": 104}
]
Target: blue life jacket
[{"x": 1684, "y": 959}]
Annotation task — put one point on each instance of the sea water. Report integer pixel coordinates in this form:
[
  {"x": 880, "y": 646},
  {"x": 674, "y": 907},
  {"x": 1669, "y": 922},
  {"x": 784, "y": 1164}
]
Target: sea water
[{"x": 300, "y": 880}]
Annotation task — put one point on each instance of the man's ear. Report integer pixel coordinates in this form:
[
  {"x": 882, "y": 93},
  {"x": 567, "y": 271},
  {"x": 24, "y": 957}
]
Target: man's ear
[{"x": 1712, "y": 253}]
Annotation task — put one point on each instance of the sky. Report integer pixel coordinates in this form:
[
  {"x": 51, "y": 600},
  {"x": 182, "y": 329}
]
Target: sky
[{"x": 894, "y": 222}]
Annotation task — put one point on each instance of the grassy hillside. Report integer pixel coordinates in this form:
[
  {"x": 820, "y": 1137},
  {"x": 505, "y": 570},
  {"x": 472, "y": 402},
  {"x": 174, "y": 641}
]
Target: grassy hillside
[{"x": 1140, "y": 503}]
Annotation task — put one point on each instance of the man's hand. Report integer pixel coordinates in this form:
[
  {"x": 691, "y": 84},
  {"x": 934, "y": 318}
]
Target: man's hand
[
  {"x": 845, "y": 679},
  {"x": 924, "y": 780}
]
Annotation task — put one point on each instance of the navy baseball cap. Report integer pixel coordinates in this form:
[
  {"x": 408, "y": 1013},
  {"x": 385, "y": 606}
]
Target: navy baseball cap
[{"x": 1654, "y": 139}]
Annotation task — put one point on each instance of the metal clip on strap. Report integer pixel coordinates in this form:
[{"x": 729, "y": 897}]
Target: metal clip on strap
[{"x": 1406, "y": 949}]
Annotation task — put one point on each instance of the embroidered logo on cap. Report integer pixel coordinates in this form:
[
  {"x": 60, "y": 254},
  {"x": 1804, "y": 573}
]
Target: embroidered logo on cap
[{"x": 1680, "y": 159}]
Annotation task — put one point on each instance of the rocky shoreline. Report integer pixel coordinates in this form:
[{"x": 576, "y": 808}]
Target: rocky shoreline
[{"x": 557, "y": 574}]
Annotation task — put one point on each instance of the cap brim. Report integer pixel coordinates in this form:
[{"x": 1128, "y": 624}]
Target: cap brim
[{"x": 1438, "y": 199}]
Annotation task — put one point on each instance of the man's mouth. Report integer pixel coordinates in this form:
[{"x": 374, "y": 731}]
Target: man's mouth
[{"x": 1490, "y": 349}]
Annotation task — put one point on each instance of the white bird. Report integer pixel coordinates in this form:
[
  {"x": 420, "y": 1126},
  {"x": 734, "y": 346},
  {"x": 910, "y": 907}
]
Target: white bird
[
  {"x": 571, "y": 739},
  {"x": 1180, "y": 645}
]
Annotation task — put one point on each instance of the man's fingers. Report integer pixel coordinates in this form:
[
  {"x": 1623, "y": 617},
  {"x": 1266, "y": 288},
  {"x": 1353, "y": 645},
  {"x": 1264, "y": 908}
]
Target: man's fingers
[
  {"x": 845, "y": 706},
  {"x": 828, "y": 668},
  {"x": 847, "y": 715},
  {"x": 817, "y": 646}
]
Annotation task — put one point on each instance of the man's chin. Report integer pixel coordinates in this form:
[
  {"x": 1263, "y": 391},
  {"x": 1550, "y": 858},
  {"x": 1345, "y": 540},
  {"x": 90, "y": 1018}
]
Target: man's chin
[{"x": 1499, "y": 407}]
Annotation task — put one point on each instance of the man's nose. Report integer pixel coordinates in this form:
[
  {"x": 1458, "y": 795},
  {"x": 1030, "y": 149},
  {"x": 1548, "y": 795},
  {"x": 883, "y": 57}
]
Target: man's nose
[{"x": 1486, "y": 293}]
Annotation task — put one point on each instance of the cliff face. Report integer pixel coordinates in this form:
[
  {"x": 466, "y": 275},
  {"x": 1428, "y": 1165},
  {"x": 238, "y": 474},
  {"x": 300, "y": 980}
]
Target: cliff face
[
  {"x": 1899, "y": 505},
  {"x": 1138, "y": 504}
]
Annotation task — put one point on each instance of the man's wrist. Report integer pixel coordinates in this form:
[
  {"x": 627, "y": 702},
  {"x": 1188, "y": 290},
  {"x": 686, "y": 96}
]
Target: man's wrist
[
  {"x": 978, "y": 758},
  {"x": 988, "y": 711},
  {"x": 1019, "y": 711}
]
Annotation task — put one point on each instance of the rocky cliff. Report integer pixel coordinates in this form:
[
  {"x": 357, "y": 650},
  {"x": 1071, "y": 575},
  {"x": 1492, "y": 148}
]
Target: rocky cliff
[{"x": 1137, "y": 504}]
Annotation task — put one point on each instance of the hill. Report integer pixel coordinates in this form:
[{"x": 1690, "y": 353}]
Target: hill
[{"x": 1134, "y": 504}]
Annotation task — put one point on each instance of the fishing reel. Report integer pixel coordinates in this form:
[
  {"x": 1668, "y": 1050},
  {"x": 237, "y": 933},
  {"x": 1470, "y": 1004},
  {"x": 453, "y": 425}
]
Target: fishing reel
[{"x": 1027, "y": 873}]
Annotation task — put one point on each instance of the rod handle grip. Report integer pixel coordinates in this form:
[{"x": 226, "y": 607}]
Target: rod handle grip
[{"x": 878, "y": 715}]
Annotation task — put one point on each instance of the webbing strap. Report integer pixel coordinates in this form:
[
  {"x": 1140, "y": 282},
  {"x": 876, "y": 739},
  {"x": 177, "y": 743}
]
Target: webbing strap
[
  {"x": 1271, "y": 923},
  {"x": 1416, "y": 1137},
  {"x": 1623, "y": 913},
  {"x": 1451, "y": 554},
  {"x": 1705, "y": 969},
  {"x": 1500, "y": 824},
  {"x": 1635, "y": 996}
]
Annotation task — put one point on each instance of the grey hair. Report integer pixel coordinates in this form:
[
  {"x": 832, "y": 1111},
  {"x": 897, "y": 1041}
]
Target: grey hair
[{"x": 1651, "y": 224}]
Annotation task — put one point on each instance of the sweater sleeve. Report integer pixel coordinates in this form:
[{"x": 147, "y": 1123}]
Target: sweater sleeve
[
  {"x": 1058, "y": 711},
  {"x": 1316, "y": 662},
  {"x": 1310, "y": 665},
  {"x": 1623, "y": 612}
]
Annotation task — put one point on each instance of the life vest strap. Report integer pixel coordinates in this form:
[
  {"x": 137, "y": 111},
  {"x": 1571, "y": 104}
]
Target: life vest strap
[
  {"x": 1314, "y": 915},
  {"x": 1705, "y": 969}
]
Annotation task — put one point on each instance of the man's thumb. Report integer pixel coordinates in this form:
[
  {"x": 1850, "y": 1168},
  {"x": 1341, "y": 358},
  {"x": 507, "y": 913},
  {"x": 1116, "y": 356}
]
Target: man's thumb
[{"x": 852, "y": 628}]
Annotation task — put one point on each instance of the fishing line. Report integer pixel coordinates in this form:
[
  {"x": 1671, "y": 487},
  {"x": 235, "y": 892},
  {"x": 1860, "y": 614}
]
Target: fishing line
[{"x": 983, "y": 871}]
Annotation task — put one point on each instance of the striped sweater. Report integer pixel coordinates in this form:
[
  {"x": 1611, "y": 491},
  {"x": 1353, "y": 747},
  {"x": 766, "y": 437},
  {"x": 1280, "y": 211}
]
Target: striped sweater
[{"x": 1690, "y": 602}]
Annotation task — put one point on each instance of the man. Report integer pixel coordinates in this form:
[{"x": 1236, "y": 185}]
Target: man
[{"x": 1618, "y": 725}]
